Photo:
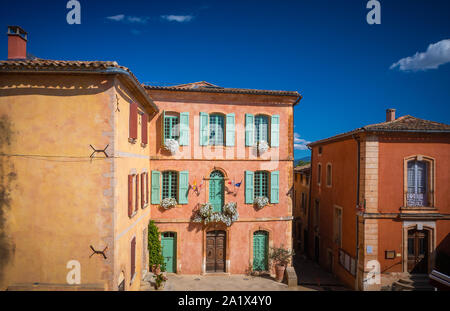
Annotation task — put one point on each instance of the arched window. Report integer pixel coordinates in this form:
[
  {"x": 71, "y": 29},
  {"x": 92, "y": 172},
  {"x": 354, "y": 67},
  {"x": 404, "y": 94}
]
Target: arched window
[
  {"x": 417, "y": 183},
  {"x": 261, "y": 184},
  {"x": 261, "y": 128},
  {"x": 329, "y": 175},
  {"x": 169, "y": 185},
  {"x": 216, "y": 129}
]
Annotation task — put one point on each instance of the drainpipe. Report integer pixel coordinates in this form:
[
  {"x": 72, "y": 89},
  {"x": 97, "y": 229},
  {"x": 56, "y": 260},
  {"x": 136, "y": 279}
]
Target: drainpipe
[{"x": 357, "y": 204}]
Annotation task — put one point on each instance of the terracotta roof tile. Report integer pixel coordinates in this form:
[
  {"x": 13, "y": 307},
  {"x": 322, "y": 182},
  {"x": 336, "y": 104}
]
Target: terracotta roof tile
[
  {"x": 408, "y": 123},
  {"x": 204, "y": 86},
  {"x": 43, "y": 65},
  {"x": 402, "y": 124}
]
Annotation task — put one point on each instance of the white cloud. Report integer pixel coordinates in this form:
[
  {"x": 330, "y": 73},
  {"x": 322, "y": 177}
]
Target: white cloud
[
  {"x": 128, "y": 19},
  {"x": 116, "y": 18},
  {"x": 177, "y": 18},
  {"x": 436, "y": 54},
  {"x": 300, "y": 143}
]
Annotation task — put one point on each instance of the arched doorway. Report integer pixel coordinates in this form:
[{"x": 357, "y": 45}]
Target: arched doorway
[
  {"x": 169, "y": 250},
  {"x": 215, "y": 251},
  {"x": 418, "y": 249},
  {"x": 216, "y": 190},
  {"x": 260, "y": 250}
]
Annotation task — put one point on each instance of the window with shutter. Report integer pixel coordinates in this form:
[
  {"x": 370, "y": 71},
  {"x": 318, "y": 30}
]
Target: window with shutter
[
  {"x": 171, "y": 127},
  {"x": 184, "y": 128},
  {"x": 136, "y": 205},
  {"x": 183, "y": 187},
  {"x": 329, "y": 175},
  {"x": 319, "y": 173},
  {"x": 417, "y": 183},
  {"x": 169, "y": 185},
  {"x": 249, "y": 130},
  {"x": 144, "y": 129},
  {"x": 261, "y": 128},
  {"x": 142, "y": 190},
  {"x": 275, "y": 131},
  {"x": 249, "y": 188},
  {"x": 261, "y": 184},
  {"x": 274, "y": 187},
  {"x": 204, "y": 132},
  {"x": 156, "y": 176},
  {"x": 133, "y": 122},
  {"x": 230, "y": 130},
  {"x": 130, "y": 195},
  {"x": 216, "y": 129},
  {"x": 133, "y": 257},
  {"x": 146, "y": 188}
]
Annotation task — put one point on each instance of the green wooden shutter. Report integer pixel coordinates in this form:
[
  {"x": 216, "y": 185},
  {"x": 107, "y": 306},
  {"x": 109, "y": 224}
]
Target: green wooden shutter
[
  {"x": 249, "y": 129},
  {"x": 230, "y": 130},
  {"x": 156, "y": 176},
  {"x": 184, "y": 128},
  {"x": 183, "y": 187},
  {"x": 275, "y": 131},
  {"x": 249, "y": 187},
  {"x": 163, "y": 122},
  {"x": 274, "y": 187},
  {"x": 204, "y": 119}
]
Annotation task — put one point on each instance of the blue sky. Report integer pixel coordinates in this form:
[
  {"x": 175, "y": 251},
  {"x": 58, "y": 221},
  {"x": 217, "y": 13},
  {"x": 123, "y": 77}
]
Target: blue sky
[{"x": 324, "y": 49}]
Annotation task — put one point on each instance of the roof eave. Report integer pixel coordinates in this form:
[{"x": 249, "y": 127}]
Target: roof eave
[{"x": 111, "y": 70}]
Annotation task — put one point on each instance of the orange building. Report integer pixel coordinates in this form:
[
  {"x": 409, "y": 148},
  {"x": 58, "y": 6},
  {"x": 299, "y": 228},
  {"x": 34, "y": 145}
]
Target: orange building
[
  {"x": 74, "y": 170},
  {"x": 379, "y": 201},
  {"x": 301, "y": 198},
  {"x": 223, "y": 149}
]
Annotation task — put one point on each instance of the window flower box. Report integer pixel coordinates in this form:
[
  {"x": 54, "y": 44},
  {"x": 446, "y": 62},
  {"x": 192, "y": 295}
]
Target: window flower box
[{"x": 168, "y": 203}]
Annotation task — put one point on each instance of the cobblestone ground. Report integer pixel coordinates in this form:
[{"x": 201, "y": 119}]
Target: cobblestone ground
[{"x": 221, "y": 283}]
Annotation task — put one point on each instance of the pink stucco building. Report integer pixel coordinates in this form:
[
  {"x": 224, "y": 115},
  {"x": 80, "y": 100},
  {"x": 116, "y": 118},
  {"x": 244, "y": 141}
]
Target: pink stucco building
[{"x": 217, "y": 131}]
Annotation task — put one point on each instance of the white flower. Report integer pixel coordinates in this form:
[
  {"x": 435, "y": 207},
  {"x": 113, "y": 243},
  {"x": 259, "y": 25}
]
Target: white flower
[
  {"x": 206, "y": 215},
  {"x": 168, "y": 203},
  {"x": 171, "y": 145},
  {"x": 262, "y": 146},
  {"x": 261, "y": 202}
]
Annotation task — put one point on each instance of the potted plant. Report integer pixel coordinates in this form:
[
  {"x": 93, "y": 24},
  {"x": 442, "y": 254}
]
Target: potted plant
[
  {"x": 160, "y": 279},
  {"x": 281, "y": 257}
]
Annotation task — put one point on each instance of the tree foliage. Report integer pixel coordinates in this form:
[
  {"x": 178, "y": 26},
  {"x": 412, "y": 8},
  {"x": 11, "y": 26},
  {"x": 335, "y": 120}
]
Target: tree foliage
[{"x": 154, "y": 246}]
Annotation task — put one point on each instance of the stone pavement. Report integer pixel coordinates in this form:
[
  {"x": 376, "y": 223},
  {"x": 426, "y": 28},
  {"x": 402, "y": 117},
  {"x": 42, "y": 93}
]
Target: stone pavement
[
  {"x": 311, "y": 275},
  {"x": 221, "y": 283}
]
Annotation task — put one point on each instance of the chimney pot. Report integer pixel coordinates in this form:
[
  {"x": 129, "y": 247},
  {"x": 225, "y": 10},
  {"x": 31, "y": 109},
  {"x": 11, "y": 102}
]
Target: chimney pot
[
  {"x": 17, "y": 43},
  {"x": 390, "y": 115}
]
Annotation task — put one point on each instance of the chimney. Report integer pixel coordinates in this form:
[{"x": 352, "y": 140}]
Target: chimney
[
  {"x": 17, "y": 43},
  {"x": 390, "y": 115}
]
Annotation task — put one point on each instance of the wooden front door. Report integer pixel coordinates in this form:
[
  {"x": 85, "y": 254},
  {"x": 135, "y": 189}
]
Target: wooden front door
[
  {"x": 168, "y": 243},
  {"x": 215, "y": 251},
  {"x": 260, "y": 249},
  {"x": 417, "y": 251},
  {"x": 216, "y": 190}
]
